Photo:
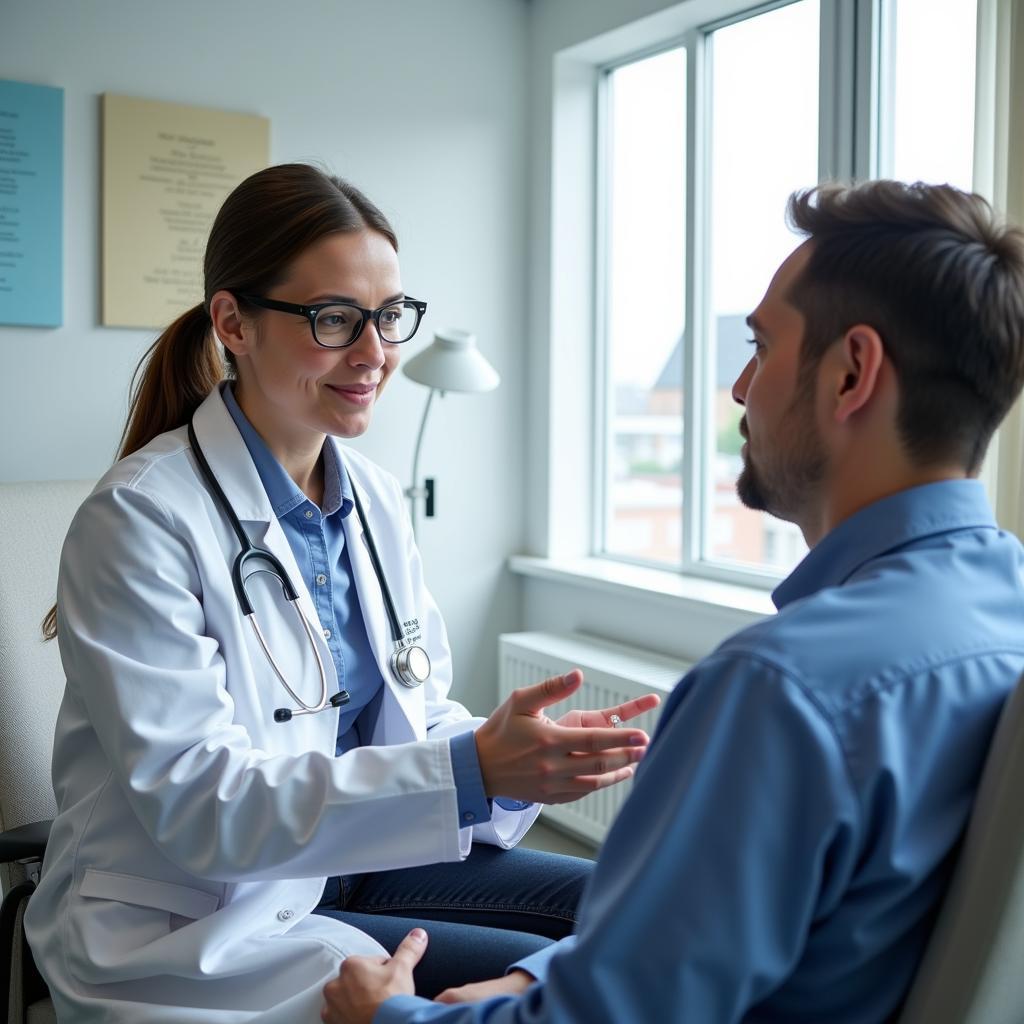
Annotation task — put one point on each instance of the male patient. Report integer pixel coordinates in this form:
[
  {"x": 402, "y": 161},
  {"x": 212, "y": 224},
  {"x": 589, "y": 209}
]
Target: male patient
[{"x": 795, "y": 821}]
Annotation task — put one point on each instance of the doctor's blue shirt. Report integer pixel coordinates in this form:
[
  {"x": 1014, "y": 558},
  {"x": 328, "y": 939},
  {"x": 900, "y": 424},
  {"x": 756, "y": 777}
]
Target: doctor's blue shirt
[
  {"x": 794, "y": 824},
  {"x": 317, "y": 538}
]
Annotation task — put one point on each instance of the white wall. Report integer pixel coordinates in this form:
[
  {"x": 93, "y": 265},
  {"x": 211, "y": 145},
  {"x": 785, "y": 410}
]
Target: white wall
[{"x": 423, "y": 105}]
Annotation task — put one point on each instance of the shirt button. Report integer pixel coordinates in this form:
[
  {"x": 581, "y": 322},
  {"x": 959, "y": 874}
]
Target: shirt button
[
  {"x": 308, "y": 513},
  {"x": 469, "y": 816},
  {"x": 321, "y": 579},
  {"x": 327, "y": 634},
  {"x": 285, "y": 915}
]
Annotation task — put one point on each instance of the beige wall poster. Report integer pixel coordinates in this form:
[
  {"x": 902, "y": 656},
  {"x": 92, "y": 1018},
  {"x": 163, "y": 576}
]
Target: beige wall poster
[{"x": 166, "y": 170}]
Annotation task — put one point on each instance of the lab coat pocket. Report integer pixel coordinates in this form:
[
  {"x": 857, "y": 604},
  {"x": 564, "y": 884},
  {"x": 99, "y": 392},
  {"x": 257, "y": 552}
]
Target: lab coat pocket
[{"x": 119, "y": 923}]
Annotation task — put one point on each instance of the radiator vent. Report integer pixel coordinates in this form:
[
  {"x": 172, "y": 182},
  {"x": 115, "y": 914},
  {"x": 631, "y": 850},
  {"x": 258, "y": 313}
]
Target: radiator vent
[{"x": 612, "y": 673}]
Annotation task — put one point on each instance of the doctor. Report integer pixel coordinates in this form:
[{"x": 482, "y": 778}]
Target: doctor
[{"x": 245, "y": 800}]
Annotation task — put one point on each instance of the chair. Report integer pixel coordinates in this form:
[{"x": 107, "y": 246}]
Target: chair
[
  {"x": 34, "y": 518},
  {"x": 973, "y": 968}
]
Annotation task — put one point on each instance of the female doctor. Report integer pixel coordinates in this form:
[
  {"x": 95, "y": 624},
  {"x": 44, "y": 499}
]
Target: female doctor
[{"x": 245, "y": 799}]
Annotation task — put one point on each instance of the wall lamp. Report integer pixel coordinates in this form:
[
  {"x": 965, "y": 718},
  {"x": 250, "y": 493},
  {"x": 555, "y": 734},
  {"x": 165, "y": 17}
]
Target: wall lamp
[{"x": 451, "y": 362}]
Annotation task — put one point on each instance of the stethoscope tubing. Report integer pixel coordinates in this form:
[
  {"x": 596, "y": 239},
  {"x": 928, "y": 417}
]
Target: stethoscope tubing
[
  {"x": 409, "y": 663},
  {"x": 250, "y": 552},
  {"x": 389, "y": 604}
]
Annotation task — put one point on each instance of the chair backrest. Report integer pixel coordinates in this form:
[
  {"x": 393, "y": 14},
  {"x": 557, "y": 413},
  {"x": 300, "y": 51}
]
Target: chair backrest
[
  {"x": 34, "y": 519},
  {"x": 973, "y": 969}
]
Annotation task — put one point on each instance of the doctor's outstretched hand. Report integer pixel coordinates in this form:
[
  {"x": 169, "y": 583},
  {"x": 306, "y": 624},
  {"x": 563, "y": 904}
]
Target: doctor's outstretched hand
[
  {"x": 525, "y": 755},
  {"x": 364, "y": 982}
]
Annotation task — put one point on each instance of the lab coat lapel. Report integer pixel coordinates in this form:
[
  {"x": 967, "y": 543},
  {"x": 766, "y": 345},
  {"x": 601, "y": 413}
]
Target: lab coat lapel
[
  {"x": 403, "y": 708},
  {"x": 230, "y": 460}
]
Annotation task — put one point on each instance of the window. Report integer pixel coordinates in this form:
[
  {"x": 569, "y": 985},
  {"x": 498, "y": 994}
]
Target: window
[
  {"x": 701, "y": 143},
  {"x": 761, "y": 68},
  {"x": 646, "y": 237}
]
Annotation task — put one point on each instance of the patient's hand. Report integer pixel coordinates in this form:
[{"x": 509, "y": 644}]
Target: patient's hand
[{"x": 511, "y": 985}]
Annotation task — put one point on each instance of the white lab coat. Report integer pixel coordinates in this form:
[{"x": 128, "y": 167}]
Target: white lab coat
[{"x": 194, "y": 832}]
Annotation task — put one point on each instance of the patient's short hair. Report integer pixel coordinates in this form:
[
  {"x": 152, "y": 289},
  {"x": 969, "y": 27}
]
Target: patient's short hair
[{"x": 941, "y": 279}]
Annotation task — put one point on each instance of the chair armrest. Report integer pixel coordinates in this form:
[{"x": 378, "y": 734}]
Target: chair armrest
[{"x": 24, "y": 842}]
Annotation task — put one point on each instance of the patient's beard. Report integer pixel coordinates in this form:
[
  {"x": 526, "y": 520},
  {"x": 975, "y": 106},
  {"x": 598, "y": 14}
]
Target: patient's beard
[{"x": 784, "y": 479}]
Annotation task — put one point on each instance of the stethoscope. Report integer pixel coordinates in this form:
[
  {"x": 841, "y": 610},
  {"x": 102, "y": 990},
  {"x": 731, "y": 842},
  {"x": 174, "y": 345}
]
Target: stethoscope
[{"x": 409, "y": 663}]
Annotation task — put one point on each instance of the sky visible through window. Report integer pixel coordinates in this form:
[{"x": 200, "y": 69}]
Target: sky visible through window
[{"x": 933, "y": 102}]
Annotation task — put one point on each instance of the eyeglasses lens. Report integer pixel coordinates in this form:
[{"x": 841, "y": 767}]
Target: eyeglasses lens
[{"x": 338, "y": 325}]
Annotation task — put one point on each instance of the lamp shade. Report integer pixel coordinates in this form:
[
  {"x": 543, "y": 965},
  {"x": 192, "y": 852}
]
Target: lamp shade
[{"x": 452, "y": 362}]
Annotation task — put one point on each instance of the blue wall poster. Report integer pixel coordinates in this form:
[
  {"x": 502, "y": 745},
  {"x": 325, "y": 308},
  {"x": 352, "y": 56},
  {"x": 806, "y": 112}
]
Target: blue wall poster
[{"x": 31, "y": 204}]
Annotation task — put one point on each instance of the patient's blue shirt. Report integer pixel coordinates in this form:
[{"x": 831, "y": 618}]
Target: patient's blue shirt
[{"x": 795, "y": 821}]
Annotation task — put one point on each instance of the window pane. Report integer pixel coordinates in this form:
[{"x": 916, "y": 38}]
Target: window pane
[
  {"x": 930, "y": 122},
  {"x": 764, "y": 145},
  {"x": 644, "y": 289}
]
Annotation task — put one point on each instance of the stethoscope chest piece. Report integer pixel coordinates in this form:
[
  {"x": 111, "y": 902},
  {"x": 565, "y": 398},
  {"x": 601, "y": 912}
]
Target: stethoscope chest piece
[{"x": 411, "y": 666}]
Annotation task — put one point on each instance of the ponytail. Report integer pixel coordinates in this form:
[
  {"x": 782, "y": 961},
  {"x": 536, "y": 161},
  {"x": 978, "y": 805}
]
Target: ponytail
[
  {"x": 178, "y": 371},
  {"x": 50, "y": 624}
]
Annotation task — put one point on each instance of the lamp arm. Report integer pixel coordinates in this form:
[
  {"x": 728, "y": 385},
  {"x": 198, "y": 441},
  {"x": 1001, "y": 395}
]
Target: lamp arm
[{"x": 413, "y": 491}]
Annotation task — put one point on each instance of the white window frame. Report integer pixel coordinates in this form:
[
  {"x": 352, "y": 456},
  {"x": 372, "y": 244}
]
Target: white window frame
[{"x": 564, "y": 528}]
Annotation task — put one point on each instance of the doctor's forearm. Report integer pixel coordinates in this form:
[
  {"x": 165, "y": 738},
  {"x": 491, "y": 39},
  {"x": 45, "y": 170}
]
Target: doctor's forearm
[{"x": 255, "y": 821}]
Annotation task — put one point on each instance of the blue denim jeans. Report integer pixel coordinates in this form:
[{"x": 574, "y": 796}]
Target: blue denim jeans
[{"x": 482, "y": 914}]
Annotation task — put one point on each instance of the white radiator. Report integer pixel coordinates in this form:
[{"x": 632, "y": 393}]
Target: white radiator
[{"x": 612, "y": 673}]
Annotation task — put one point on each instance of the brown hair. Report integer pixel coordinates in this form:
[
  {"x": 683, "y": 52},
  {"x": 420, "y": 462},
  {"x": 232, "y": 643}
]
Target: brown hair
[
  {"x": 942, "y": 281},
  {"x": 264, "y": 224}
]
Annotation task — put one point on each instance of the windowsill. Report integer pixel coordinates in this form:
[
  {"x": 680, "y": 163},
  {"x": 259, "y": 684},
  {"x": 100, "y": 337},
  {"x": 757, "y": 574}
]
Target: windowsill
[{"x": 632, "y": 582}]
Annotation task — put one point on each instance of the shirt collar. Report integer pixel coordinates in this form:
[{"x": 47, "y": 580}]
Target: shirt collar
[
  {"x": 883, "y": 526},
  {"x": 283, "y": 492}
]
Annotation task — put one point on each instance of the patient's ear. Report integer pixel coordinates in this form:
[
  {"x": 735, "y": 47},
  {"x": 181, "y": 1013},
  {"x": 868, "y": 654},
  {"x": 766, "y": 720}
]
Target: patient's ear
[{"x": 855, "y": 370}]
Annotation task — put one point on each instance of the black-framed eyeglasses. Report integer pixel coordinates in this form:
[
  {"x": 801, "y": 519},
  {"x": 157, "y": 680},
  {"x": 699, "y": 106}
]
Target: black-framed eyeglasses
[{"x": 338, "y": 324}]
